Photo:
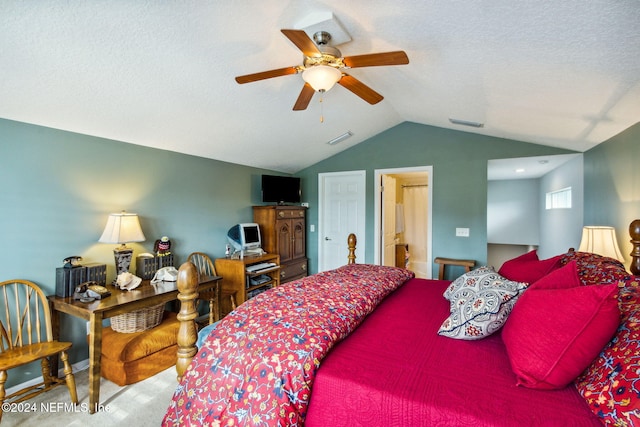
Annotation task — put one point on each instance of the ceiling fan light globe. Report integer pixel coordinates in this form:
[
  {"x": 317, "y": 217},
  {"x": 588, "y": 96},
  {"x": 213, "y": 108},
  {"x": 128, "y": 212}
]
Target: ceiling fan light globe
[{"x": 321, "y": 77}]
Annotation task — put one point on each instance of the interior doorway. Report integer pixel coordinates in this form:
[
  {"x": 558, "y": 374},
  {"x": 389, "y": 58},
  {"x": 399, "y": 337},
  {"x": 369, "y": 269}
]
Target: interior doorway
[{"x": 403, "y": 218}]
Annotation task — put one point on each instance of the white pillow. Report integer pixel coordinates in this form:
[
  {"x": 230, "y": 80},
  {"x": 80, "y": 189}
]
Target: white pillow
[{"x": 479, "y": 303}]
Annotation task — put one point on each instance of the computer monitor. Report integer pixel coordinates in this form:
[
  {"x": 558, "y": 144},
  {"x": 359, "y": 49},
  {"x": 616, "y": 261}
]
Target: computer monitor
[{"x": 245, "y": 238}]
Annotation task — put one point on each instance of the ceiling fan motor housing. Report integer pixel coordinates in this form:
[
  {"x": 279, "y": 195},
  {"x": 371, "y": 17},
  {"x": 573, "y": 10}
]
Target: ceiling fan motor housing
[{"x": 328, "y": 55}]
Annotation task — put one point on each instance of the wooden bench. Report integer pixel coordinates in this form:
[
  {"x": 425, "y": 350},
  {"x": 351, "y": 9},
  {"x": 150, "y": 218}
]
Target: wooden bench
[{"x": 468, "y": 264}]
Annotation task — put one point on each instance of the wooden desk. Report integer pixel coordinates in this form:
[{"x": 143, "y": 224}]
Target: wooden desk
[
  {"x": 236, "y": 277},
  {"x": 145, "y": 295}
]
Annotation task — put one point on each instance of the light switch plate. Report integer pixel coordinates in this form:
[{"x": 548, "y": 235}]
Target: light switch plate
[{"x": 462, "y": 232}]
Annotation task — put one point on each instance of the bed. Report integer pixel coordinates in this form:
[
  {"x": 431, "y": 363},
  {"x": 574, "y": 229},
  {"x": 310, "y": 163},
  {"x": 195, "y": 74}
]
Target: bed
[{"x": 367, "y": 345}]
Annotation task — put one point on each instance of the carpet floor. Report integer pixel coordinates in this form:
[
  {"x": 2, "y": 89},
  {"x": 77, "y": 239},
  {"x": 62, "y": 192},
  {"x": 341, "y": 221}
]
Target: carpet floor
[{"x": 140, "y": 404}]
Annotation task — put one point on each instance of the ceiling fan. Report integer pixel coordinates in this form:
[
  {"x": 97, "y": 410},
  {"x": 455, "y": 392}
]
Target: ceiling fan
[{"x": 324, "y": 65}]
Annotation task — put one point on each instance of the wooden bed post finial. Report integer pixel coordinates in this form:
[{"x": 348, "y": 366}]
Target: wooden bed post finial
[
  {"x": 634, "y": 232},
  {"x": 351, "y": 241},
  {"x": 187, "y": 333}
]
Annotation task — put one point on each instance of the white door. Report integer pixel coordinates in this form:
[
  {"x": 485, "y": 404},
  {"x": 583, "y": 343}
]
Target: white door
[{"x": 341, "y": 211}]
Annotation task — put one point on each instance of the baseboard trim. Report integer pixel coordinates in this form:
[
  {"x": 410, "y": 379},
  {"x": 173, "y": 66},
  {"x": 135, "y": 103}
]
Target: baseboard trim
[{"x": 77, "y": 367}]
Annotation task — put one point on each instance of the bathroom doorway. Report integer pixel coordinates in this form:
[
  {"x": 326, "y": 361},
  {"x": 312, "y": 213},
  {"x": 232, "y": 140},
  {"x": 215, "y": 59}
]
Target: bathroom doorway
[{"x": 403, "y": 219}]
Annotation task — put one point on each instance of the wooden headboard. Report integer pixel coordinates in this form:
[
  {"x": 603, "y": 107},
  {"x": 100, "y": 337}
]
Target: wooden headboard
[{"x": 634, "y": 232}]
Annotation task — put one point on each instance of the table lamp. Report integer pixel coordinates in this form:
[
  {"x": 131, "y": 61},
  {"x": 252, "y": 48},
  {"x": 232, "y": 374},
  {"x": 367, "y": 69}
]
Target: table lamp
[
  {"x": 122, "y": 228},
  {"x": 600, "y": 240}
]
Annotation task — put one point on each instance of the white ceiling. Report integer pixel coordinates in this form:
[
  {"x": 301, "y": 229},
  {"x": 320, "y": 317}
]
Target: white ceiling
[{"x": 161, "y": 73}]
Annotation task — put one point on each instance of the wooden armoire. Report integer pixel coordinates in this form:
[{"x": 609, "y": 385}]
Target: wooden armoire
[{"x": 283, "y": 231}]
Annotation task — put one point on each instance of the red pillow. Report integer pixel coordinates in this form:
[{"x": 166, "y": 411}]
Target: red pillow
[
  {"x": 528, "y": 268},
  {"x": 562, "y": 278},
  {"x": 558, "y": 327}
]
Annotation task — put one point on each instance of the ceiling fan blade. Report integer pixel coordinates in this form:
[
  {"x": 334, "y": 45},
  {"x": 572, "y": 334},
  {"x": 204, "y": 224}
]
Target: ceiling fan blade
[
  {"x": 266, "y": 75},
  {"x": 398, "y": 57},
  {"x": 303, "y": 42},
  {"x": 304, "y": 98},
  {"x": 360, "y": 89}
]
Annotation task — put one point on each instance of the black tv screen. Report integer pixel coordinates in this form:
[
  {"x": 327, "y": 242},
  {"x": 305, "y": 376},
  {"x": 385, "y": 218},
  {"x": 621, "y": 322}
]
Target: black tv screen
[{"x": 280, "y": 189}]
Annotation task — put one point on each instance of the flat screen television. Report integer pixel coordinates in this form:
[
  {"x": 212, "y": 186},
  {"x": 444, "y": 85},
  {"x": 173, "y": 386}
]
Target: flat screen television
[
  {"x": 245, "y": 237},
  {"x": 280, "y": 189}
]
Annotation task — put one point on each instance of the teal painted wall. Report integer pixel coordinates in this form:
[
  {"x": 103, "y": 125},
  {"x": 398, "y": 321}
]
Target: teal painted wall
[
  {"x": 459, "y": 161},
  {"x": 612, "y": 184},
  {"x": 59, "y": 187}
]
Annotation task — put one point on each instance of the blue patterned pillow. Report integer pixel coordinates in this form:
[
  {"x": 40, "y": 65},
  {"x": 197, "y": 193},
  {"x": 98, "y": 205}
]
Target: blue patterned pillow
[{"x": 480, "y": 302}]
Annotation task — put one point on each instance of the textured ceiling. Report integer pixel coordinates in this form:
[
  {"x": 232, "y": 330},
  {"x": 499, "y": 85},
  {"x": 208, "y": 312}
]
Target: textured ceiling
[{"x": 161, "y": 74}]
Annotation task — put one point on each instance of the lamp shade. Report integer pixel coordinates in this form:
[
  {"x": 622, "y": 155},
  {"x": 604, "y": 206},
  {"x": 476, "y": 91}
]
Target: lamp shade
[
  {"x": 321, "y": 77},
  {"x": 122, "y": 228},
  {"x": 600, "y": 240}
]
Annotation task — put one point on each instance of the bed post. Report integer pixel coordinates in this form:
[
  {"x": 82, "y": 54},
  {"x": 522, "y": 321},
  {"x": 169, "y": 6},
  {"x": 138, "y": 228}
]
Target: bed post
[
  {"x": 187, "y": 333},
  {"x": 634, "y": 232},
  {"x": 351, "y": 241}
]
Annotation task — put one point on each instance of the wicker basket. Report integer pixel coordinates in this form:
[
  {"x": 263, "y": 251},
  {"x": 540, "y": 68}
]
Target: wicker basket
[{"x": 139, "y": 320}]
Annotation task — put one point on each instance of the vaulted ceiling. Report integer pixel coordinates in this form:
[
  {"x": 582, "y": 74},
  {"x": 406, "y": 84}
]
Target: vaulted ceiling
[{"x": 161, "y": 73}]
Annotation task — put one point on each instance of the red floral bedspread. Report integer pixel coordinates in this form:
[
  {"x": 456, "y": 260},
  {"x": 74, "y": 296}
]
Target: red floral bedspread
[{"x": 257, "y": 367}]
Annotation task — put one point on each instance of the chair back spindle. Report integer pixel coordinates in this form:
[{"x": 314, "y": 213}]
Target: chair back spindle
[
  {"x": 205, "y": 267},
  {"x": 25, "y": 319},
  {"x": 203, "y": 264}
]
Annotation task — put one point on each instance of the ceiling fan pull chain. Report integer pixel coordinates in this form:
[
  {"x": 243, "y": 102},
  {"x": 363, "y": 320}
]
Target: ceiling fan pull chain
[{"x": 321, "y": 108}]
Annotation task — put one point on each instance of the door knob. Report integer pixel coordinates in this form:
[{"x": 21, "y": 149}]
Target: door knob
[{"x": 326, "y": 238}]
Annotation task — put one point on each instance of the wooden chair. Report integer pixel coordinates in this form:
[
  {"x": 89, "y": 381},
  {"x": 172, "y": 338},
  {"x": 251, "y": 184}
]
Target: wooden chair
[
  {"x": 26, "y": 336},
  {"x": 205, "y": 267}
]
